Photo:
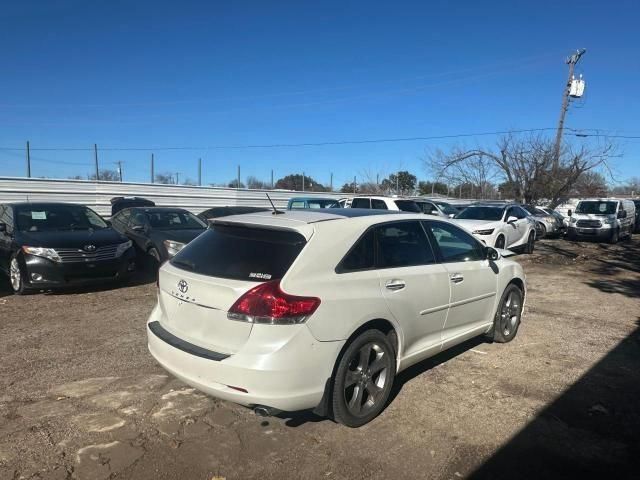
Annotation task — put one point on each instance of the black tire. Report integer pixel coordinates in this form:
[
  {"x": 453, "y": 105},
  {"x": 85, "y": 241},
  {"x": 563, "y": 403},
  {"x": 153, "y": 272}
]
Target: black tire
[
  {"x": 363, "y": 379},
  {"x": 615, "y": 236},
  {"x": 543, "y": 231},
  {"x": 17, "y": 278},
  {"x": 508, "y": 315},
  {"x": 500, "y": 242},
  {"x": 531, "y": 243}
]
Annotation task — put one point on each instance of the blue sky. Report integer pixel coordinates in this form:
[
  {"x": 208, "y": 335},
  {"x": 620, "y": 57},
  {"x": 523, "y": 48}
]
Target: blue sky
[{"x": 211, "y": 74}]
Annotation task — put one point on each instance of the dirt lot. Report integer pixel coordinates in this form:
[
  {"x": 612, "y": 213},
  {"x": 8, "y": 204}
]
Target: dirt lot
[{"x": 80, "y": 397}]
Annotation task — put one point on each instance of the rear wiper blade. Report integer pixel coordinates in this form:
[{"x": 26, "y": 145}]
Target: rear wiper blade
[{"x": 178, "y": 263}]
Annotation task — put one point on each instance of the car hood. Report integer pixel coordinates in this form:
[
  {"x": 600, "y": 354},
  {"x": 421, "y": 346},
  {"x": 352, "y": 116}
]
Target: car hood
[
  {"x": 182, "y": 236},
  {"x": 70, "y": 238},
  {"x": 472, "y": 225}
]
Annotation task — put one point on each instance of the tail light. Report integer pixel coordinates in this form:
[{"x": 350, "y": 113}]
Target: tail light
[{"x": 267, "y": 304}]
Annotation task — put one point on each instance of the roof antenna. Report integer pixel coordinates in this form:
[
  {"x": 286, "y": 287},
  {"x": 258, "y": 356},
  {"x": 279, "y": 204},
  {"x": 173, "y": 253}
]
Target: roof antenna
[{"x": 275, "y": 210}]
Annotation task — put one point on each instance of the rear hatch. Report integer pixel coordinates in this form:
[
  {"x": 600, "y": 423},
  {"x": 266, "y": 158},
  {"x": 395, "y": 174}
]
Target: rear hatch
[{"x": 209, "y": 275}]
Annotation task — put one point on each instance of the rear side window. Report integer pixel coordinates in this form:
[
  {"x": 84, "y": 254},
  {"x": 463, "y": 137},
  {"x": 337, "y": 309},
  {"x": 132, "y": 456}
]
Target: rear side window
[
  {"x": 360, "y": 203},
  {"x": 408, "y": 206},
  {"x": 378, "y": 204},
  {"x": 241, "y": 253},
  {"x": 362, "y": 255},
  {"x": 403, "y": 244}
]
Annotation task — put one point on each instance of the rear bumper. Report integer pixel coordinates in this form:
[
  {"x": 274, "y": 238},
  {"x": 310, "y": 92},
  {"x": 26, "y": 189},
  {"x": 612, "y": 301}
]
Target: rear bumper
[
  {"x": 43, "y": 273},
  {"x": 283, "y": 367}
]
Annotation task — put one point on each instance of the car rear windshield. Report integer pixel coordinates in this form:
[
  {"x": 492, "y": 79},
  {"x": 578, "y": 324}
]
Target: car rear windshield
[
  {"x": 241, "y": 253},
  {"x": 408, "y": 206},
  {"x": 481, "y": 213},
  {"x": 597, "y": 208}
]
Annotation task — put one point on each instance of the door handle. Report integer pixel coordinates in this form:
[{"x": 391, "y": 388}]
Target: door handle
[
  {"x": 395, "y": 284},
  {"x": 456, "y": 278}
]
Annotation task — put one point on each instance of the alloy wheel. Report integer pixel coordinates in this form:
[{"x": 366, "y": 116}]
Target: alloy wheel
[
  {"x": 509, "y": 313},
  {"x": 14, "y": 275},
  {"x": 366, "y": 379}
]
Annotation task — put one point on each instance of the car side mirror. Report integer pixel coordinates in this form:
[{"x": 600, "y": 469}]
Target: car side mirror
[
  {"x": 512, "y": 219},
  {"x": 569, "y": 212},
  {"x": 3, "y": 227},
  {"x": 491, "y": 254},
  {"x": 138, "y": 228}
]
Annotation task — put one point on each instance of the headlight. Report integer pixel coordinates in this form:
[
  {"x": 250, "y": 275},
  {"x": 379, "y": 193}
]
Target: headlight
[
  {"x": 173, "y": 247},
  {"x": 610, "y": 220},
  {"x": 48, "y": 253},
  {"x": 573, "y": 219},
  {"x": 123, "y": 247},
  {"x": 486, "y": 231}
]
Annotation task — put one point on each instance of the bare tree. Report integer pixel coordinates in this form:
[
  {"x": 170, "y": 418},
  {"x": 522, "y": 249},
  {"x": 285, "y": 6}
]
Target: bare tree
[
  {"x": 526, "y": 165},
  {"x": 107, "y": 176},
  {"x": 165, "y": 178},
  {"x": 255, "y": 183}
]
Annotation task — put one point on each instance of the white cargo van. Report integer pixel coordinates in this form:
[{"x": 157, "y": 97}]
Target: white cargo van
[{"x": 606, "y": 219}]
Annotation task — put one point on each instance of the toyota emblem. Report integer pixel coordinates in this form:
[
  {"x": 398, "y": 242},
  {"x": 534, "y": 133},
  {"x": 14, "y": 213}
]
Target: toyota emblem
[
  {"x": 89, "y": 248},
  {"x": 183, "y": 286}
]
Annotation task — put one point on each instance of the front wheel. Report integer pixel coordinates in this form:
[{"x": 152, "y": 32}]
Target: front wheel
[
  {"x": 16, "y": 276},
  {"x": 531, "y": 242},
  {"x": 363, "y": 379},
  {"x": 507, "y": 319}
]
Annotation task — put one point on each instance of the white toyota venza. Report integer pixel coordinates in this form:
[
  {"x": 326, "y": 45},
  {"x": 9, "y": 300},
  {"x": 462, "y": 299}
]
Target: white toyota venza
[{"x": 321, "y": 310}]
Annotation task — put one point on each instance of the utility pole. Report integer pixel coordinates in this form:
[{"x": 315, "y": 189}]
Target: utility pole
[
  {"x": 272, "y": 179},
  {"x": 95, "y": 157},
  {"x": 153, "y": 177},
  {"x": 177, "y": 178},
  {"x": 120, "y": 169},
  {"x": 571, "y": 61},
  {"x": 331, "y": 183},
  {"x": 200, "y": 172},
  {"x": 397, "y": 183},
  {"x": 303, "y": 181},
  {"x": 354, "y": 185},
  {"x": 28, "y": 160},
  {"x": 238, "y": 184}
]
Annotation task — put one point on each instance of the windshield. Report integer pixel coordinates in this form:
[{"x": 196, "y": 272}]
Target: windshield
[
  {"x": 446, "y": 208},
  {"x": 481, "y": 213},
  {"x": 51, "y": 218},
  {"x": 596, "y": 207},
  {"x": 408, "y": 206},
  {"x": 174, "y": 221},
  {"x": 534, "y": 210}
]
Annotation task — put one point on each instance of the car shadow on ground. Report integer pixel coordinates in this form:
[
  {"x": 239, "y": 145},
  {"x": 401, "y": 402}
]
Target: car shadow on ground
[
  {"x": 296, "y": 419},
  {"x": 142, "y": 277},
  {"x": 590, "y": 431}
]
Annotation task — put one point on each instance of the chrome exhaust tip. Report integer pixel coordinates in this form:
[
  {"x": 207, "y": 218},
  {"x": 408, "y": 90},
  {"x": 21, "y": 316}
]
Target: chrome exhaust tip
[{"x": 262, "y": 411}]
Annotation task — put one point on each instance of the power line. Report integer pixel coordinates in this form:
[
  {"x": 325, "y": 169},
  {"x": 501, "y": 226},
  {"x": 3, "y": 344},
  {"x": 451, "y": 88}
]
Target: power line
[{"x": 288, "y": 145}]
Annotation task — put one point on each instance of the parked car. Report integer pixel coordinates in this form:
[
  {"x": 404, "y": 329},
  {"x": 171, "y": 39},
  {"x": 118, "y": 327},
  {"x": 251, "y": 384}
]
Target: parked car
[
  {"x": 636, "y": 203},
  {"x": 602, "y": 219},
  {"x": 345, "y": 202},
  {"x": 561, "y": 220},
  {"x": 217, "y": 212},
  {"x": 385, "y": 203},
  {"x": 500, "y": 225},
  {"x": 158, "y": 232},
  {"x": 321, "y": 309},
  {"x": 548, "y": 225},
  {"x": 297, "y": 203},
  {"x": 435, "y": 207},
  {"x": 53, "y": 245},
  {"x": 120, "y": 203}
]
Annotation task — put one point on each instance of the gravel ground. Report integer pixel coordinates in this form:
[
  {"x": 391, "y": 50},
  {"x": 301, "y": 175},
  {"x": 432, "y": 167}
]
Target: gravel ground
[{"x": 80, "y": 397}]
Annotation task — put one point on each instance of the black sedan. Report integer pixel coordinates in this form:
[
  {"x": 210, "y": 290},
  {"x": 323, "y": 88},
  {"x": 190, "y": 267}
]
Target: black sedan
[
  {"x": 49, "y": 245},
  {"x": 158, "y": 232}
]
